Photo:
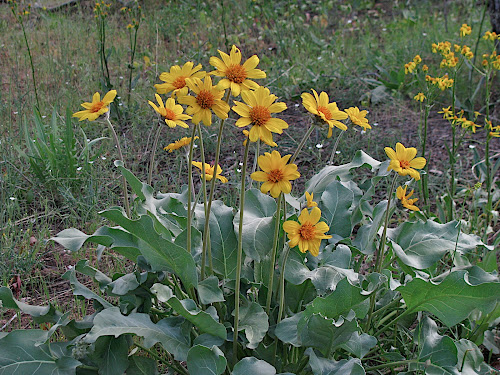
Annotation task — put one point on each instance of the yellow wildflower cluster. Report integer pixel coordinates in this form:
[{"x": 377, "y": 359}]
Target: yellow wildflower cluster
[
  {"x": 465, "y": 30},
  {"x": 412, "y": 65},
  {"x": 465, "y": 123},
  {"x": 466, "y": 51},
  {"x": 101, "y": 9},
  {"x": 420, "y": 97},
  {"x": 493, "y": 59},
  {"x": 494, "y": 130},
  {"x": 443, "y": 82},
  {"x": 405, "y": 199},
  {"x": 442, "y": 47},
  {"x": 491, "y": 36}
]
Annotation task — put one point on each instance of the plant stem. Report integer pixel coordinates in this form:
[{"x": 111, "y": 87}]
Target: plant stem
[
  {"x": 381, "y": 248},
  {"x": 391, "y": 364},
  {"x": 153, "y": 153},
  {"x": 302, "y": 143},
  {"x": 190, "y": 191},
  {"x": 489, "y": 202},
  {"x": 239, "y": 256},
  {"x": 31, "y": 61},
  {"x": 257, "y": 152},
  {"x": 282, "y": 283},
  {"x": 172, "y": 366},
  {"x": 424, "y": 180},
  {"x": 332, "y": 156},
  {"x": 133, "y": 45},
  {"x": 206, "y": 233},
  {"x": 120, "y": 155},
  {"x": 273, "y": 254}
]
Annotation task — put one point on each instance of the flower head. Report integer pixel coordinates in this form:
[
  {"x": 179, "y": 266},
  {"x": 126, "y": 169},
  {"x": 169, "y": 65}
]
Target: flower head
[
  {"x": 308, "y": 232},
  {"x": 358, "y": 117},
  {"x": 420, "y": 97},
  {"x": 328, "y": 112},
  {"x": 97, "y": 107},
  {"x": 208, "y": 98},
  {"x": 309, "y": 199},
  {"x": 447, "y": 113},
  {"x": 403, "y": 161},
  {"x": 236, "y": 76},
  {"x": 171, "y": 112},
  {"x": 405, "y": 199},
  {"x": 176, "y": 80},
  {"x": 276, "y": 173},
  {"x": 179, "y": 144},
  {"x": 256, "y": 111},
  {"x": 209, "y": 171},
  {"x": 465, "y": 30}
]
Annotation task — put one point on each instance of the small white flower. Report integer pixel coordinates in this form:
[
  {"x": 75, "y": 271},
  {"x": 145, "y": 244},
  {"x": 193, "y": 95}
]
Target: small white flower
[
  {"x": 319, "y": 145},
  {"x": 79, "y": 168},
  {"x": 337, "y": 152},
  {"x": 12, "y": 198},
  {"x": 103, "y": 157},
  {"x": 472, "y": 146},
  {"x": 16, "y": 113}
]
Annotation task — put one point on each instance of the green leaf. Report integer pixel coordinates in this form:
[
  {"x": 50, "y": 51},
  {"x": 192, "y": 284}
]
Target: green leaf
[
  {"x": 188, "y": 309},
  {"x": 21, "y": 354},
  {"x": 168, "y": 332},
  {"x": 367, "y": 233},
  {"x": 254, "y": 321},
  {"x": 258, "y": 224},
  {"x": 205, "y": 361},
  {"x": 112, "y": 354},
  {"x": 340, "y": 302},
  {"x": 224, "y": 243},
  {"x": 81, "y": 290},
  {"x": 162, "y": 253},
  {"x": 318, "y": 183},
  {"x": 336, "y": 202},
  {"x": 421, "y": 244},
  {"x": 451, "y": 300},
  {"x": 359, "y": 345},
  {"x": 209, "y": 291},
  {"x": 251, "y": 366},
  {"x": 325, "y": 334},
  {"x": 287, "y": 330},
  {"x": 142, "y": 366},
  {"x": 323, "y": 366},
  {"x": 470, "y": 360},
  {"x": 439, "y": 350},
  {"x": 40, "y": 313}
]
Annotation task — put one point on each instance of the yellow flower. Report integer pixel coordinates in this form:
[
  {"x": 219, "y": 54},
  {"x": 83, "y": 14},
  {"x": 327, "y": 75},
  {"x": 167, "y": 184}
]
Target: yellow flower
[
  {"x": 420, "y": 97},
  {"x": 417, "y": 59},
  {"x": 465, "y": 30},
  {"x": 405, "y": 199},
  {"x": 236, "y": 75},
  {"x": 403, "y": 161},
  {"x": 447, "y": 113},
  {"x": 328, "y": 112},
  {"x": 208, "y": 98},
  {"x": 171, "y": 112},
  {"x": 256, "y": 111},
  {"x": 410, "y": 67},
  {"x": 246, "y": 132},
  {"x": 209, "y": 171},
  {"x": 425, "y": 68},
  {"x": 176, "y": 80},
  {"x": 309, "y": 199},
  {"x": 358, "y": 117},
  {"x": 178, "y": 144},
  {"x": 309, "y": 233},
  {"x": 276, "y": 173},
  {"x": 97, "y": 107}
]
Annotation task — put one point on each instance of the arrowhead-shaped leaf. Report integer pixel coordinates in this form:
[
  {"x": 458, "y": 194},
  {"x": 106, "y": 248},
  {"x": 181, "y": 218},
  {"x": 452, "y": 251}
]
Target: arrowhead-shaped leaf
[{"x": 206, "y": 361}]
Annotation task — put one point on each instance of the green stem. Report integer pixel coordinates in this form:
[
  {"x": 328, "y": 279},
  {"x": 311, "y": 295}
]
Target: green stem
[
  {"x": 206, "y": 232},
  {"x": 282, "y": 283},
  {"x": 120, "y": 155},
  {"x": 381, "y": 248},
  {"x": 302, "y": 143},
  {"x": 273, "y": 254},
  {"x": 332, "y": 156},
  {"x": 257, "y": 152},
  {"x": 424, "y": 180},
  {"x": 239, "y": 256},
  {"x": 31, "y": 61},
  {"x": 384, "y": 328},
  {"x": 190, "y": 191},
  {"x": 489, "y": 202},
  {"x": 133, "y": 45},
  {"x": 153, "y": 153},
  {"x": 453, "y": 152},
  {"x": 391, "y": 364},
  {"x": 170, "y": 365}
]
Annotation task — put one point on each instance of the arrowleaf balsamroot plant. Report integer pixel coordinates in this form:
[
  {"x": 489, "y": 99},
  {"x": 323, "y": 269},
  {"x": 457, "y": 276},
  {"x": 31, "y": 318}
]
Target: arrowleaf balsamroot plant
[{"x": 288, "y": 282}]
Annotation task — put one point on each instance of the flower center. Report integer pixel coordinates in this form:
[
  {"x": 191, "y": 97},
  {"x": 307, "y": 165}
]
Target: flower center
[
  {"x": 325, "y": 112},
  {"x": 276, "y": 175},
  {"x": 259, "y": 115},
  {"x": 404, "y": 164},
  {"x": 169, "y": 114},
  {"x": 236, "y": 73},
  {"x": 307, "y": 231},
  {"x": 96, "y": 107},
  {"x": 179, "y": 82},
  {"x": 205, "y": 99}
]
